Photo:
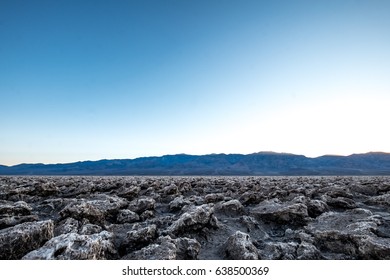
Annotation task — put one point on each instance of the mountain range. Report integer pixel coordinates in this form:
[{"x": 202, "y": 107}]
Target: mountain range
[{"x": 256, "y": 164}]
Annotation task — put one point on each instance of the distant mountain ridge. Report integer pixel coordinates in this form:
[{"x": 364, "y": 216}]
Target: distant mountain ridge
[{"x": 256, "y": 164}]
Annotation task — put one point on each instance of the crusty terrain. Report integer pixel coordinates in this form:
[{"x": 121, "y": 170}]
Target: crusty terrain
[{"x": 194, "y": 218}]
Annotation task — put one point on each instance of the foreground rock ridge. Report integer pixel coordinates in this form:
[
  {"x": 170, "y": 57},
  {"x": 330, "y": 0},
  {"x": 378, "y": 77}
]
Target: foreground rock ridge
[{"x": 178, "y": 218}]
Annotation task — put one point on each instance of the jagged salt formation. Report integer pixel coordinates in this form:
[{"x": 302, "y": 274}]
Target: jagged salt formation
[{"x": 194, "y": 218}]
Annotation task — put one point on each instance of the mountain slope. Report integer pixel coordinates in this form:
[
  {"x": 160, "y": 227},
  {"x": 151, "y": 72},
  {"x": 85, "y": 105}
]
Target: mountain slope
[{"x": 263, "y": 163}]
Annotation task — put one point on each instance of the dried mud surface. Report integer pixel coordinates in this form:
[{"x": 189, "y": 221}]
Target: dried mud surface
[{"x": 195, "y": 218}]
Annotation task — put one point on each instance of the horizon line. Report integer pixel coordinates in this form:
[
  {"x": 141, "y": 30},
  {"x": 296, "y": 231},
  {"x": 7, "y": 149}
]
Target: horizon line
[{"x": 261, "y": 152}]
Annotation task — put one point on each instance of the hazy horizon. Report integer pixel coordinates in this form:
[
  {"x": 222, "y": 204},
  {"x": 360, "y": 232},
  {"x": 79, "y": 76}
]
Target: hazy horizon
[{"x": 91, "y": 80}]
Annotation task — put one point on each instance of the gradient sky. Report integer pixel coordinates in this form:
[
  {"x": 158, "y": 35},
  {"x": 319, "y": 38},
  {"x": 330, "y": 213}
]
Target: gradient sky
[{"x": 87, "y": 80}]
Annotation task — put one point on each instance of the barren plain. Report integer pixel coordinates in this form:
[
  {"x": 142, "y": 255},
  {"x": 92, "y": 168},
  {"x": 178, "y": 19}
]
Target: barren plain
[{"x": 194, "y": 217}]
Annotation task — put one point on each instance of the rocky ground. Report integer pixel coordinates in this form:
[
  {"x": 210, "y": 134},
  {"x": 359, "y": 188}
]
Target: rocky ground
[{"x": 194, "y": 218}]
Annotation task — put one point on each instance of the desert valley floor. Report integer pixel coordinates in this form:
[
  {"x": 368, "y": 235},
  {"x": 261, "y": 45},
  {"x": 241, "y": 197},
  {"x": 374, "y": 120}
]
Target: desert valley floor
[{"x": 194, "y": 217}]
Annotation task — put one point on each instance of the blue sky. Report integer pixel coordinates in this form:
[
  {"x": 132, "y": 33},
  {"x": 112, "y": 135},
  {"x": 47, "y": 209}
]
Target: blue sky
[{"x": 87, "y": 80}]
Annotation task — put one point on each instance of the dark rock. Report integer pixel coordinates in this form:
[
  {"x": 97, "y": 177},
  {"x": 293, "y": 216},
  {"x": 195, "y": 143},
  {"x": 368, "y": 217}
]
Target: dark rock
[
  {"x": 16, "y": 241},
  {"x": 335, "y": 192},
  {"x": 250, "y": 223},
  {"x": 90, "y": 229},
  {"x": 138, "y": 237},
  {"x": 239, "y": 246},
  {"x": 163, "y": 249},
  {"x": 250, "y": 197},
  {"x": 277, "y": 212},
  {"x": 127, "y": 216},
  {"x": 171, "y": 189},
  {"x": 96, "y": 210},
  {"x": 129, "y": 192},
  {"x": 370, "y": 247},
  {"x": 379, "y": 200},
  {"x": 370, "y": 190},
  {"x": 148, "y": 214},
  {"x": 178, "y": 203},
  {"x": 73, "y": 246},
  {"x": 83, "y": 210},
  {"x": 46, "y": 189},
  {"x": 307, "y": 251},
  {"x": 19, "y": 208},
  {"x": 185, "y": 187},
  {"x": 142, "y": 204},
  {"x": 187, "y": 249},
  {"x": 142, "y": 235},
  {"x": 341, "y": 202},
  {"x": 194, "y": 219},
  {"x": 316, "y": 207},
  {"x": 279, "y": 251},
  {"x": 232, "y": 207},
  {"x": 14, "y": 213},
  {"x": 15, "y": 220},
  {"x": 167, "y": 248},
  {"x": 214, "y": 197},
  {"x": 351, "y": 234},
  {"x": 383, "y": 187},
  {"x": 50, "y": 208},
  {"x": 68, "y": 225}
]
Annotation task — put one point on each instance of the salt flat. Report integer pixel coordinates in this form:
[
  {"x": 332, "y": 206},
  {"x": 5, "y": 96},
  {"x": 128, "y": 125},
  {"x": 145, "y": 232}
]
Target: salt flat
[{"x": 194, "y": 217}]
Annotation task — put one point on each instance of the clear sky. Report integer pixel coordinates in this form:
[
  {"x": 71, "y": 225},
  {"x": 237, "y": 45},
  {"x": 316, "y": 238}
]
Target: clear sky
[{"x": 87, "y": 80}]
